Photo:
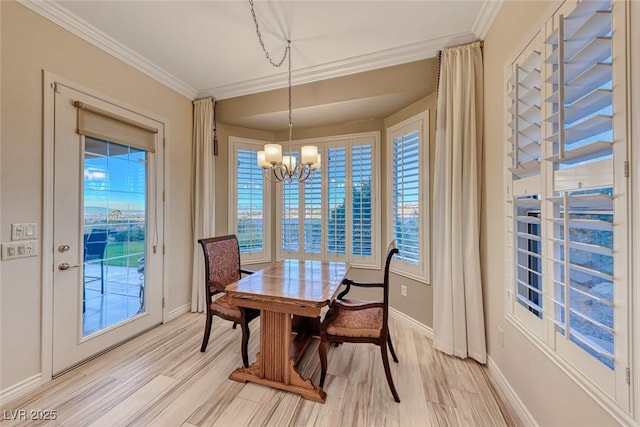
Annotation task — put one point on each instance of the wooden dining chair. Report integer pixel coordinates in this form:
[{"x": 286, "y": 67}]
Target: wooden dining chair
[
  {"x": 349, "y": 320},
  {"x": 222, "y": 267}
]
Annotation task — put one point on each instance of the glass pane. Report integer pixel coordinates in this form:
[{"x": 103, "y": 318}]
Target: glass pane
[{"x": 114, "y": 229}]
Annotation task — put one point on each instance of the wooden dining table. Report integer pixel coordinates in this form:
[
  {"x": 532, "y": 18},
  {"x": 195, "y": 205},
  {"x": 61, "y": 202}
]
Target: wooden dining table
[{"x": 290, "y": 295}]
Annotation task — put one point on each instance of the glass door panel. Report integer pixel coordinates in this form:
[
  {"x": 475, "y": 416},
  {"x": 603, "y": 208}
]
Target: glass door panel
[{"x": 114, "y": 234}]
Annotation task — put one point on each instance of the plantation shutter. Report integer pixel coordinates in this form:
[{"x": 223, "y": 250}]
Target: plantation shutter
[
  {"x": 406, "y": 196},
  {"x": 313, "y": 214},
  {"x": 524, "y": 156},
  {"x": 290, "y": 212},
  {"x": 336, "y": 207},
  {"x": 361, "y": 201},
  {"x": 581, "y": 116},
  {"x": 250, "y": 203}
]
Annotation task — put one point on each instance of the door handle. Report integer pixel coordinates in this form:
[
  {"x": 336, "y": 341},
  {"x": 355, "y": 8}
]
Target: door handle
[{"x": 65, "y": 266}]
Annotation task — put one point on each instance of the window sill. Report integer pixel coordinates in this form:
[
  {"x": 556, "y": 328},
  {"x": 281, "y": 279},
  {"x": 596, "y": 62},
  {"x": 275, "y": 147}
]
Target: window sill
[{"x": 409, "y": 275}]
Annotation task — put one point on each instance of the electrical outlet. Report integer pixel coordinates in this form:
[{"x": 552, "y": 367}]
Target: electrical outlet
[
  {"x": 403, "y": 290},
  {"x": 500, "y": 337},
  {"x": 23, "y": 249}
]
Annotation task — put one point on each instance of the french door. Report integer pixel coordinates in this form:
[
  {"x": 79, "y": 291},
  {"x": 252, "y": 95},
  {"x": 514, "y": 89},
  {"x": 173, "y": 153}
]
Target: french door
[{"x": 107, "y": 266}]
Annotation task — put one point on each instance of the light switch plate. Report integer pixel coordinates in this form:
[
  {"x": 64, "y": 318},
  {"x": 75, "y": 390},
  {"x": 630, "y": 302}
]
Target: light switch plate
[{"x": 25, "y": 231}]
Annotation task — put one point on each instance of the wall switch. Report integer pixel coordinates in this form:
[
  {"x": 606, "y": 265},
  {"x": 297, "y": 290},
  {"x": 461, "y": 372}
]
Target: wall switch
[
  {"x": 500, "y": 337},
  {"x": 403, "y": 290},
  {"x": 23, "y": 231}
]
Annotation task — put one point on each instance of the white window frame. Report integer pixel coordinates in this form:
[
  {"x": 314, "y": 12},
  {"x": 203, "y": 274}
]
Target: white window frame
[
  {"x": 612, "y": 391},
  {"x": 324, "y": 144},
  {"x": 235, "y": 144},
  {"x": 420, "y": 122}
]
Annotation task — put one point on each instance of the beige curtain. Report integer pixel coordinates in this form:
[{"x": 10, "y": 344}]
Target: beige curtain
[
  {"x": 203, "y": 206},
  {"x": 458, "y": 319}
]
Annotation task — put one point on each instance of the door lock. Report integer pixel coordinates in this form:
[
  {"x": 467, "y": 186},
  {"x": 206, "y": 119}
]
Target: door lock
[
  {"x": 63, "y": 248},
  {"x": 65, "y": 266}
]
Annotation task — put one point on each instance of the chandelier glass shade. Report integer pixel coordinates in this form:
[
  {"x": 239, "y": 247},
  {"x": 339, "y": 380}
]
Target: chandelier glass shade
[{"x": 277, "y": 167}]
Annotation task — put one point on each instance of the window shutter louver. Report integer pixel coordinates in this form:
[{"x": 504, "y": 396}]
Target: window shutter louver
[
  {"x": 528, "y": 253},
  {"x": 526, "y": 119}
]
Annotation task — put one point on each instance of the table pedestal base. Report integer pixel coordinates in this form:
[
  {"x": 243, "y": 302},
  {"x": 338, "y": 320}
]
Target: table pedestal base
[{"x": 275, "y": 365}]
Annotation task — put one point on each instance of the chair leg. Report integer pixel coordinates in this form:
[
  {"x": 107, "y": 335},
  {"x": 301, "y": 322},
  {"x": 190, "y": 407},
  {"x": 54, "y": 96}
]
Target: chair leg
[
  {"x": 102, "y": 277},
  {"x": 245, "y": 342},
  {"x": 207, "y": 332},
  {"x": 393, "y": 353},
  {"x": 387, "y": 371},
  {"x": 322, "y": 349},
  {"x": 234, "y": 325}
]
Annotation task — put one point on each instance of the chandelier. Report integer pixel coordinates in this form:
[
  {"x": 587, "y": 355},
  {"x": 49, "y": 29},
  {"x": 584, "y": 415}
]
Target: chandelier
[{"x": 275, "y": 166}]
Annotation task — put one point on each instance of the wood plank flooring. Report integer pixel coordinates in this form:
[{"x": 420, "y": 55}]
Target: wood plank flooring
[{"x": 162, "y": 379}]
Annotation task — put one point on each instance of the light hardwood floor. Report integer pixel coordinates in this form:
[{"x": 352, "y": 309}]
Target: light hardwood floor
[{"x": 162, "y": 379}]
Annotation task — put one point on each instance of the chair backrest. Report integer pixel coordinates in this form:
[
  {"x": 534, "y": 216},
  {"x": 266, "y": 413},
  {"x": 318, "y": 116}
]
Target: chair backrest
[
  {"x": 95, "y": 244},
  {"x": 391, "y": 251},
  {"x": 221, "y": 262}
]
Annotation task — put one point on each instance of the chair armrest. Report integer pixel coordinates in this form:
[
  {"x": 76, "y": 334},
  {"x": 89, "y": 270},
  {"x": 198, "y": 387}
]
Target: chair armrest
[
  {"x": 245, "y": 271},
  {"x": 358, "y": 305},
  {"x": 349, "y": 282}
]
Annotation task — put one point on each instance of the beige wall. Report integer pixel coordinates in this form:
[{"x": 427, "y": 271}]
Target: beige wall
[
  {"x": 550, "y": 395},
  {"x": 31, "y": 44}
]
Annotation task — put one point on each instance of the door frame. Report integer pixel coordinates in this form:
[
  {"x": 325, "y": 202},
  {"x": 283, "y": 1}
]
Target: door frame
[{"x": 49, "y": 81}]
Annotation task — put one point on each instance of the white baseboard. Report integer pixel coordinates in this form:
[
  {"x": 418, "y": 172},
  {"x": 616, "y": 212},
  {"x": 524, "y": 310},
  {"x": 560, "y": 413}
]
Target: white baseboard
[
  {"x": 413, "y": 323},
  {"x": 511, "y": 395},
  {"x": 178, "y": 312},
  {"x": 18, "y": 390}
]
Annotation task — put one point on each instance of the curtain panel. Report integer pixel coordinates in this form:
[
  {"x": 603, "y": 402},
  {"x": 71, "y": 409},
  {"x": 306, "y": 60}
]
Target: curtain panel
[
  {"x": 203, "y": 201},
  {"x": 458, "y": 324}
]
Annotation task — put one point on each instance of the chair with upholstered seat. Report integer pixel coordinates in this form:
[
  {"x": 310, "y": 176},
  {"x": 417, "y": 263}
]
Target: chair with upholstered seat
[
  {"x": 222, "y": 267},
  {"x": 357, "y": 321}
]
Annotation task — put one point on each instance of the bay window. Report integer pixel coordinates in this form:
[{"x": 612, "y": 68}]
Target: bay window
[{"x": 335, "y": 215}]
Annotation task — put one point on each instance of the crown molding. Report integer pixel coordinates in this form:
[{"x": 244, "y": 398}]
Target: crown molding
[
  {"x": 487, "y": 15},
  {"x": 385, "y": 58},
  {"x": 70, "y": 22}
]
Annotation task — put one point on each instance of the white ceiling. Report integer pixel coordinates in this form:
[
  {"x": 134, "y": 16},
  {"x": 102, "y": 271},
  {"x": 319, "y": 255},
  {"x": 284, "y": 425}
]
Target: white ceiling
[{"x": 210, "y": 48}]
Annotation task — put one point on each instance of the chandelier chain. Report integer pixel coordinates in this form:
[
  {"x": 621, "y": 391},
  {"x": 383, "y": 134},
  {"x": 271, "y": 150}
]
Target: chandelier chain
[
  {"x": 282, "y": 171},
  {"x": 264, "y": 49},
  {"x": 287, "y": 54}
]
